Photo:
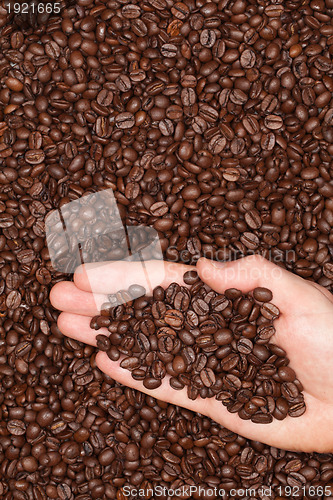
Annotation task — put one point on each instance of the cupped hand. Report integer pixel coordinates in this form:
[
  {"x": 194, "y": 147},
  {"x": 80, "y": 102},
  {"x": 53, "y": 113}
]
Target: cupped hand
[{"x": 304, "y": 330}]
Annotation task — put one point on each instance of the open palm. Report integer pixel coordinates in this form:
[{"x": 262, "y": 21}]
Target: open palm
[{"x": 304, "y": 330}]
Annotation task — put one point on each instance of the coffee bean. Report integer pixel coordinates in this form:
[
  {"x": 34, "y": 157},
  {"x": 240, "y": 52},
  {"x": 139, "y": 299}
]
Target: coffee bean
[
  {"x": 327, "y": 269},
  {"x": 159, "y": 208},
  {"x": 16, "y": 427},
  {"x": 248, "y": 58},
  {"x": 269, "y": 103},
  {"x": 104, "y": 97},
  {"x": 34, "y": 156},
  {"x": 166, "y": 127},
  {"x": 64, "y": 492},
  {"x": 208, "y": 377},
  {"x": 251, "y": 124},
  {"x": 262, "y": 294},
  {"x": 190, "y": 277},
  {"x": 136, "y": 291},
  {"x": 103, "y": 342},
  {"x": 253, "y": 219},
  {"x": 244, "y": 346},
  {"x": 130, "y": 363},
  {"x": 261, "y": 418},
  {"x": 6, "y": 220},
  {"x": 200, "y": 307},
  {"x": 26, "y": 256},
  {"x": 237, "y": 96},
  {"x": 270, "y": 311},
  {"x": 168, "y": 50},
  {"x": 188, "y": 96},
  {"x": 274, "y": 122},
  {"x": 125, "y": 120},
  {"x": 207, "y": 38},
  {"x": 223, "y": 337},
  {"x": 219, "y": 303},
  {"x": 208, "y": 113},
  {"x": 297, "y": 409},
  {"x": 13, "y": 300},
  {"x": 174, "y": 318},
  {"x": 217, "y": 144},
  {"x": 250, "y": 240}
]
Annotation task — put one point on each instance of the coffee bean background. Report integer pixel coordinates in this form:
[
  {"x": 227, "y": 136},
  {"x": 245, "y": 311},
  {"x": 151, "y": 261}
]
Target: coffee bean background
[{"x": 212, "y": 122}]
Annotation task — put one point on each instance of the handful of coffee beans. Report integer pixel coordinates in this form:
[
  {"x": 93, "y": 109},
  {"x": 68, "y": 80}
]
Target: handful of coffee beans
[{"x": 217, "y": 345}]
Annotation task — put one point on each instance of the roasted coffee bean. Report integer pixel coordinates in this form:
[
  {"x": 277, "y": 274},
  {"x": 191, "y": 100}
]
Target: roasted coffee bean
[
  {"x": 103, "y": 342},
  {"x": 253, "y": 219},
  {"x": 125, "y": 120},
  {"x": 223, "y": 337},
  {"x": 208, "y": 377},
  {"x": 13, "y": 300},
  {"x": 190, "y": 277},
  {"x": 16, "y": 427},
  {"x": 200, "y": 307},
  {"x": 174, "y": 318},
  {"x": 262, "y": 294},
  {"x": 274, "y": 122},
  {"x": 34, "y": 156},
  {"x": 286, "y": 374},
  {"x": 297, "y": 409},
  {"x": 269, "y": 311},
  {"x": 262, "y": 418},
  {"x": 248, "y": 58}
]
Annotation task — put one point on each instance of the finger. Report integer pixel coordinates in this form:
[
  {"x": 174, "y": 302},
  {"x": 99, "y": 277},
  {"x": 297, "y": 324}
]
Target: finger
[
  {"x": 110, "y": 277},
  {"x": 78, "y": 327},
  {"x": 65, "y": 296},
  {"x": 255, "y": 271},
  {"x": 288, "y": 434}
]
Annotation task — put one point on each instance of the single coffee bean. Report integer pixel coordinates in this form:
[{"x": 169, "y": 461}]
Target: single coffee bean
[
  {"x": 253, "y": 219},
  {"x": 262, "y": 294},
  {"x": 16, "y": 427},
  {"x": 174, "y": 318},
  {"x": 269, "y": 311},
  {"x": 248, "y": 58},
  {"x": 273, "y": 122},
  {"x": 208, "y": 377},
  {"x": 34, "y": 156},
  {"x": 125, "y": 120}
]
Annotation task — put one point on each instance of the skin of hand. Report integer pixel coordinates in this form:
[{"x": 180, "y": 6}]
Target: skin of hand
[{"x": 304, "y": 329}]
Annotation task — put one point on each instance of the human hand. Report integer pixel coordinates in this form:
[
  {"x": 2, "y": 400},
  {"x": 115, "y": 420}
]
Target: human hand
[{"x": 304, "y": 330}]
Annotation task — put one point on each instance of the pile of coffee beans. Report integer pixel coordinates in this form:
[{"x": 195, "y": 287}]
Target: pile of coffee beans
[
  {"x": 212, "y": 123},
  {"x": 217, "y": 345}
]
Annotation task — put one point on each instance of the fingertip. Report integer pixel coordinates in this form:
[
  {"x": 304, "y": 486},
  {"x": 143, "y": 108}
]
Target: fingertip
[
  {"x": 202, "y": 262},
  {"x": 53, "y": 295},
  {"x": 100, "y": 359},
  {"x": 57, "y": 293},
  {"x": 62, "y": 321},
  {"x": 211, "y": 272},
  {"x": 80, "y": 278}
]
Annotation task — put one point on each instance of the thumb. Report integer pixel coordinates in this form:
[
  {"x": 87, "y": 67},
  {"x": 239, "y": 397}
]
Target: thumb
[{"x": 255, "y": 271}]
